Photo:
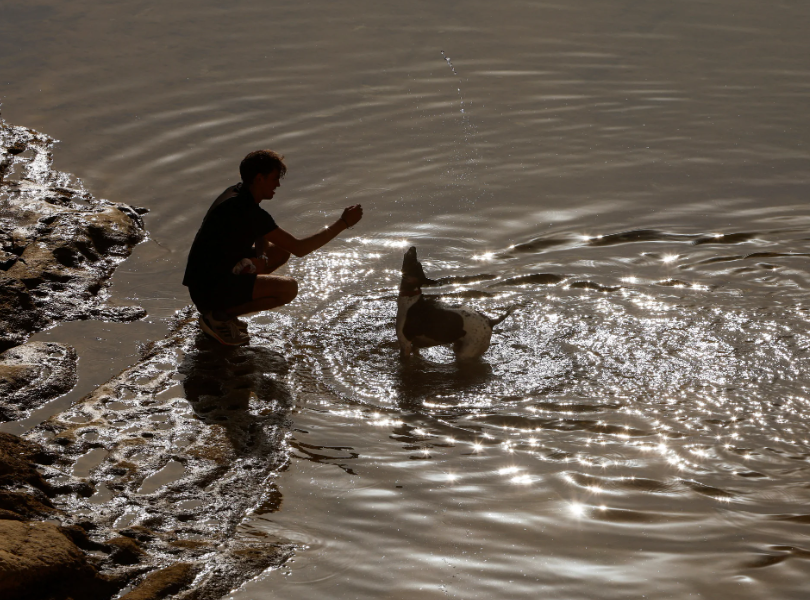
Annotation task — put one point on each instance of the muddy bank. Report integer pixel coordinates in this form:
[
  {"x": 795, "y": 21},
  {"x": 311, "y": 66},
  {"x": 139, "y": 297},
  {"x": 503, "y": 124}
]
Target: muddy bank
[
  {"x": 58, "y": 247},
  {"x": 167, "y": 458},
  {"x": 38, "y": 557},
  {"x": 144, "y": 482}
]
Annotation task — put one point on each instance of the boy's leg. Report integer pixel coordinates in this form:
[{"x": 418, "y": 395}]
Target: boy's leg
[{"x": 269, "y": 291}]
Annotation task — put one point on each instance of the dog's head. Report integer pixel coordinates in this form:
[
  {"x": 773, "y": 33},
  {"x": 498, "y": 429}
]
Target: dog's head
[{"x": 413, "y": 276}]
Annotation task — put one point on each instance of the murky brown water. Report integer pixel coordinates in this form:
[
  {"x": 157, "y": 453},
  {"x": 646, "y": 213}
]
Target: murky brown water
[{"x": 632, "y": 176}]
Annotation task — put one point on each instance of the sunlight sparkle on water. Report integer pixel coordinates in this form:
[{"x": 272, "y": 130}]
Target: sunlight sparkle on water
[
  {"x": 379, "y": 242},
  {"x": 577, "y": 509}
]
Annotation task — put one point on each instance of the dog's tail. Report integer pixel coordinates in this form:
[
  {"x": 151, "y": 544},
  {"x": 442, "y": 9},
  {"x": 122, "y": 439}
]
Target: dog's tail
[{"x": 499, "y": 320}]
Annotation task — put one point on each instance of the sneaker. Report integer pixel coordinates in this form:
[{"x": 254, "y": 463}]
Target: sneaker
[
  {"x": 242, "y": 325},
  {"x": 225, "y": 332}
]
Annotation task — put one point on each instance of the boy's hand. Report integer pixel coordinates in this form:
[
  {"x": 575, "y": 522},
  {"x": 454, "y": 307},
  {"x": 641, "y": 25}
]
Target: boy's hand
[{"x": 352, "y": 215}]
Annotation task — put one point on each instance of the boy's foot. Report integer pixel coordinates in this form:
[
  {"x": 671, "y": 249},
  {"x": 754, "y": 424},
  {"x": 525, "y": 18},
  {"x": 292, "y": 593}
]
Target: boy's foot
[
  {"x": 225, "y": 332},
  {"x": 223, "y": 316},
  {"x": 242, "y": 325}
]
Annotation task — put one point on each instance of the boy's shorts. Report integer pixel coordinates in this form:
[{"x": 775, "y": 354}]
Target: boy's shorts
[{"x": 223, "y": 292}]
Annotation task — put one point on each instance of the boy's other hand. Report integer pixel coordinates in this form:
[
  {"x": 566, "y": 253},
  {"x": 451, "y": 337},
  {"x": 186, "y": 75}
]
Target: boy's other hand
[{"x": 352, "y": 215}]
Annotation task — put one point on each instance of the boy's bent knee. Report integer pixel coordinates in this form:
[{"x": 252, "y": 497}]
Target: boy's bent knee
[
  {"x": 283, "y": 289},
  {"x": 286, "y": 290},
  {"x": 292, "y": 291}
]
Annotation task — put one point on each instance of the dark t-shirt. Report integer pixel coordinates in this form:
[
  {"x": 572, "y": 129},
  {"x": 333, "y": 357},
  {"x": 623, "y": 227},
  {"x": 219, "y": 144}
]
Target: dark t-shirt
[{"x": 227, "y": 234}]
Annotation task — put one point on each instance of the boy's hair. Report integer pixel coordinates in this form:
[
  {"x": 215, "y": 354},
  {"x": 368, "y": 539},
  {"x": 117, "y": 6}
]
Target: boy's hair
[{"x": 261, "y": 162}]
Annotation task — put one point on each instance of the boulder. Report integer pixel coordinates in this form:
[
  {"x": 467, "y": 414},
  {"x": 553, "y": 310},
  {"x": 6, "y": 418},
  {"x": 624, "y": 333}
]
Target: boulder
[
  {"x": 164, "y": 582},
  {"x": 18, "y": 459},
  {"x": 32, "y": 374},
  {"x": 38, "y": 561}
]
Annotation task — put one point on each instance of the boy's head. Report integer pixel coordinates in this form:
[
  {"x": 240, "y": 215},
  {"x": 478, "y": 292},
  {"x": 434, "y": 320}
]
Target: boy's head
[{"x": 261, "y": 162}]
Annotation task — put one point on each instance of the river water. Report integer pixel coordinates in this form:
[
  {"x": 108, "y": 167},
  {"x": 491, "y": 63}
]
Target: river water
[{"x": 631, "y": 177}]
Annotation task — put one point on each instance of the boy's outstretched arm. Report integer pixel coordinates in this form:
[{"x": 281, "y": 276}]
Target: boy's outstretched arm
[{"x": 303, "y": 246}]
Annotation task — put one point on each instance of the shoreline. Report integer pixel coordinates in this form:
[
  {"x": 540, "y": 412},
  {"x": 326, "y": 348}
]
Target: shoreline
[{"x": 139, "y": 487}]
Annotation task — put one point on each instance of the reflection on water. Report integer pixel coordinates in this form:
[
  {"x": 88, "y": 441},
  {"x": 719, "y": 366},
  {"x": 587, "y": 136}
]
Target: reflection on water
[
  {"x": 240, "y": 390},
  {"x": 632, "y": 176},
  {"x": 416, "y": 382},
  {"x": 642, "y": 407}
]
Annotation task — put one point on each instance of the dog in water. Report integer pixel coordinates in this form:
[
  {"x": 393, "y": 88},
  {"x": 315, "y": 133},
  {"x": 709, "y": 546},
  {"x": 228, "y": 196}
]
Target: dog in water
[{"x": 424, "y": 322}]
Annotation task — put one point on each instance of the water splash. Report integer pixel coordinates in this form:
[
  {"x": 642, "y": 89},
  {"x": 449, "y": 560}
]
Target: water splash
[
  {"x": 468, "y": 155},
  {"x": 453, "y": 69}
]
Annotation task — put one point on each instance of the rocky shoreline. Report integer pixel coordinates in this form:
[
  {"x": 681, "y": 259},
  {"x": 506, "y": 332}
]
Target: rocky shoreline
[
  {"x": 137, "y": 490},
  {"x": 58, "y": 247}
]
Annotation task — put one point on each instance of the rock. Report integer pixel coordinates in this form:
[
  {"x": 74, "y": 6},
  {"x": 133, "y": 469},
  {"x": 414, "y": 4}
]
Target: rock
[
  {"x": 32, "y": 374},
  {"x": 187, "y": 467},
  {"x": 38, "y": 561},
  {"x": 24, "y": 493},
  {"x": 17, "y": 464},
  {"x": 60, "y": 571},
  {"x": 125, "y": 551},
  {"x": 58, "y": 247},
  {"x": 236, "y": 563},
  {"x": 23, "y": 506},
  {"x": 78, "y": 535},
  {"x": 41, "y": 560},
  {"x": 163, "y": 583},
  {"x": 19, "y": 315},
  {"x": 138, "y": 533},
  {"x": 58, "y": 244}
]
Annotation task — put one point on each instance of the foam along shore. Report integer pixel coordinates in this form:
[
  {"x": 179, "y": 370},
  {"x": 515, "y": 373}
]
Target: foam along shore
[{"x": 136, "y": 491}]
